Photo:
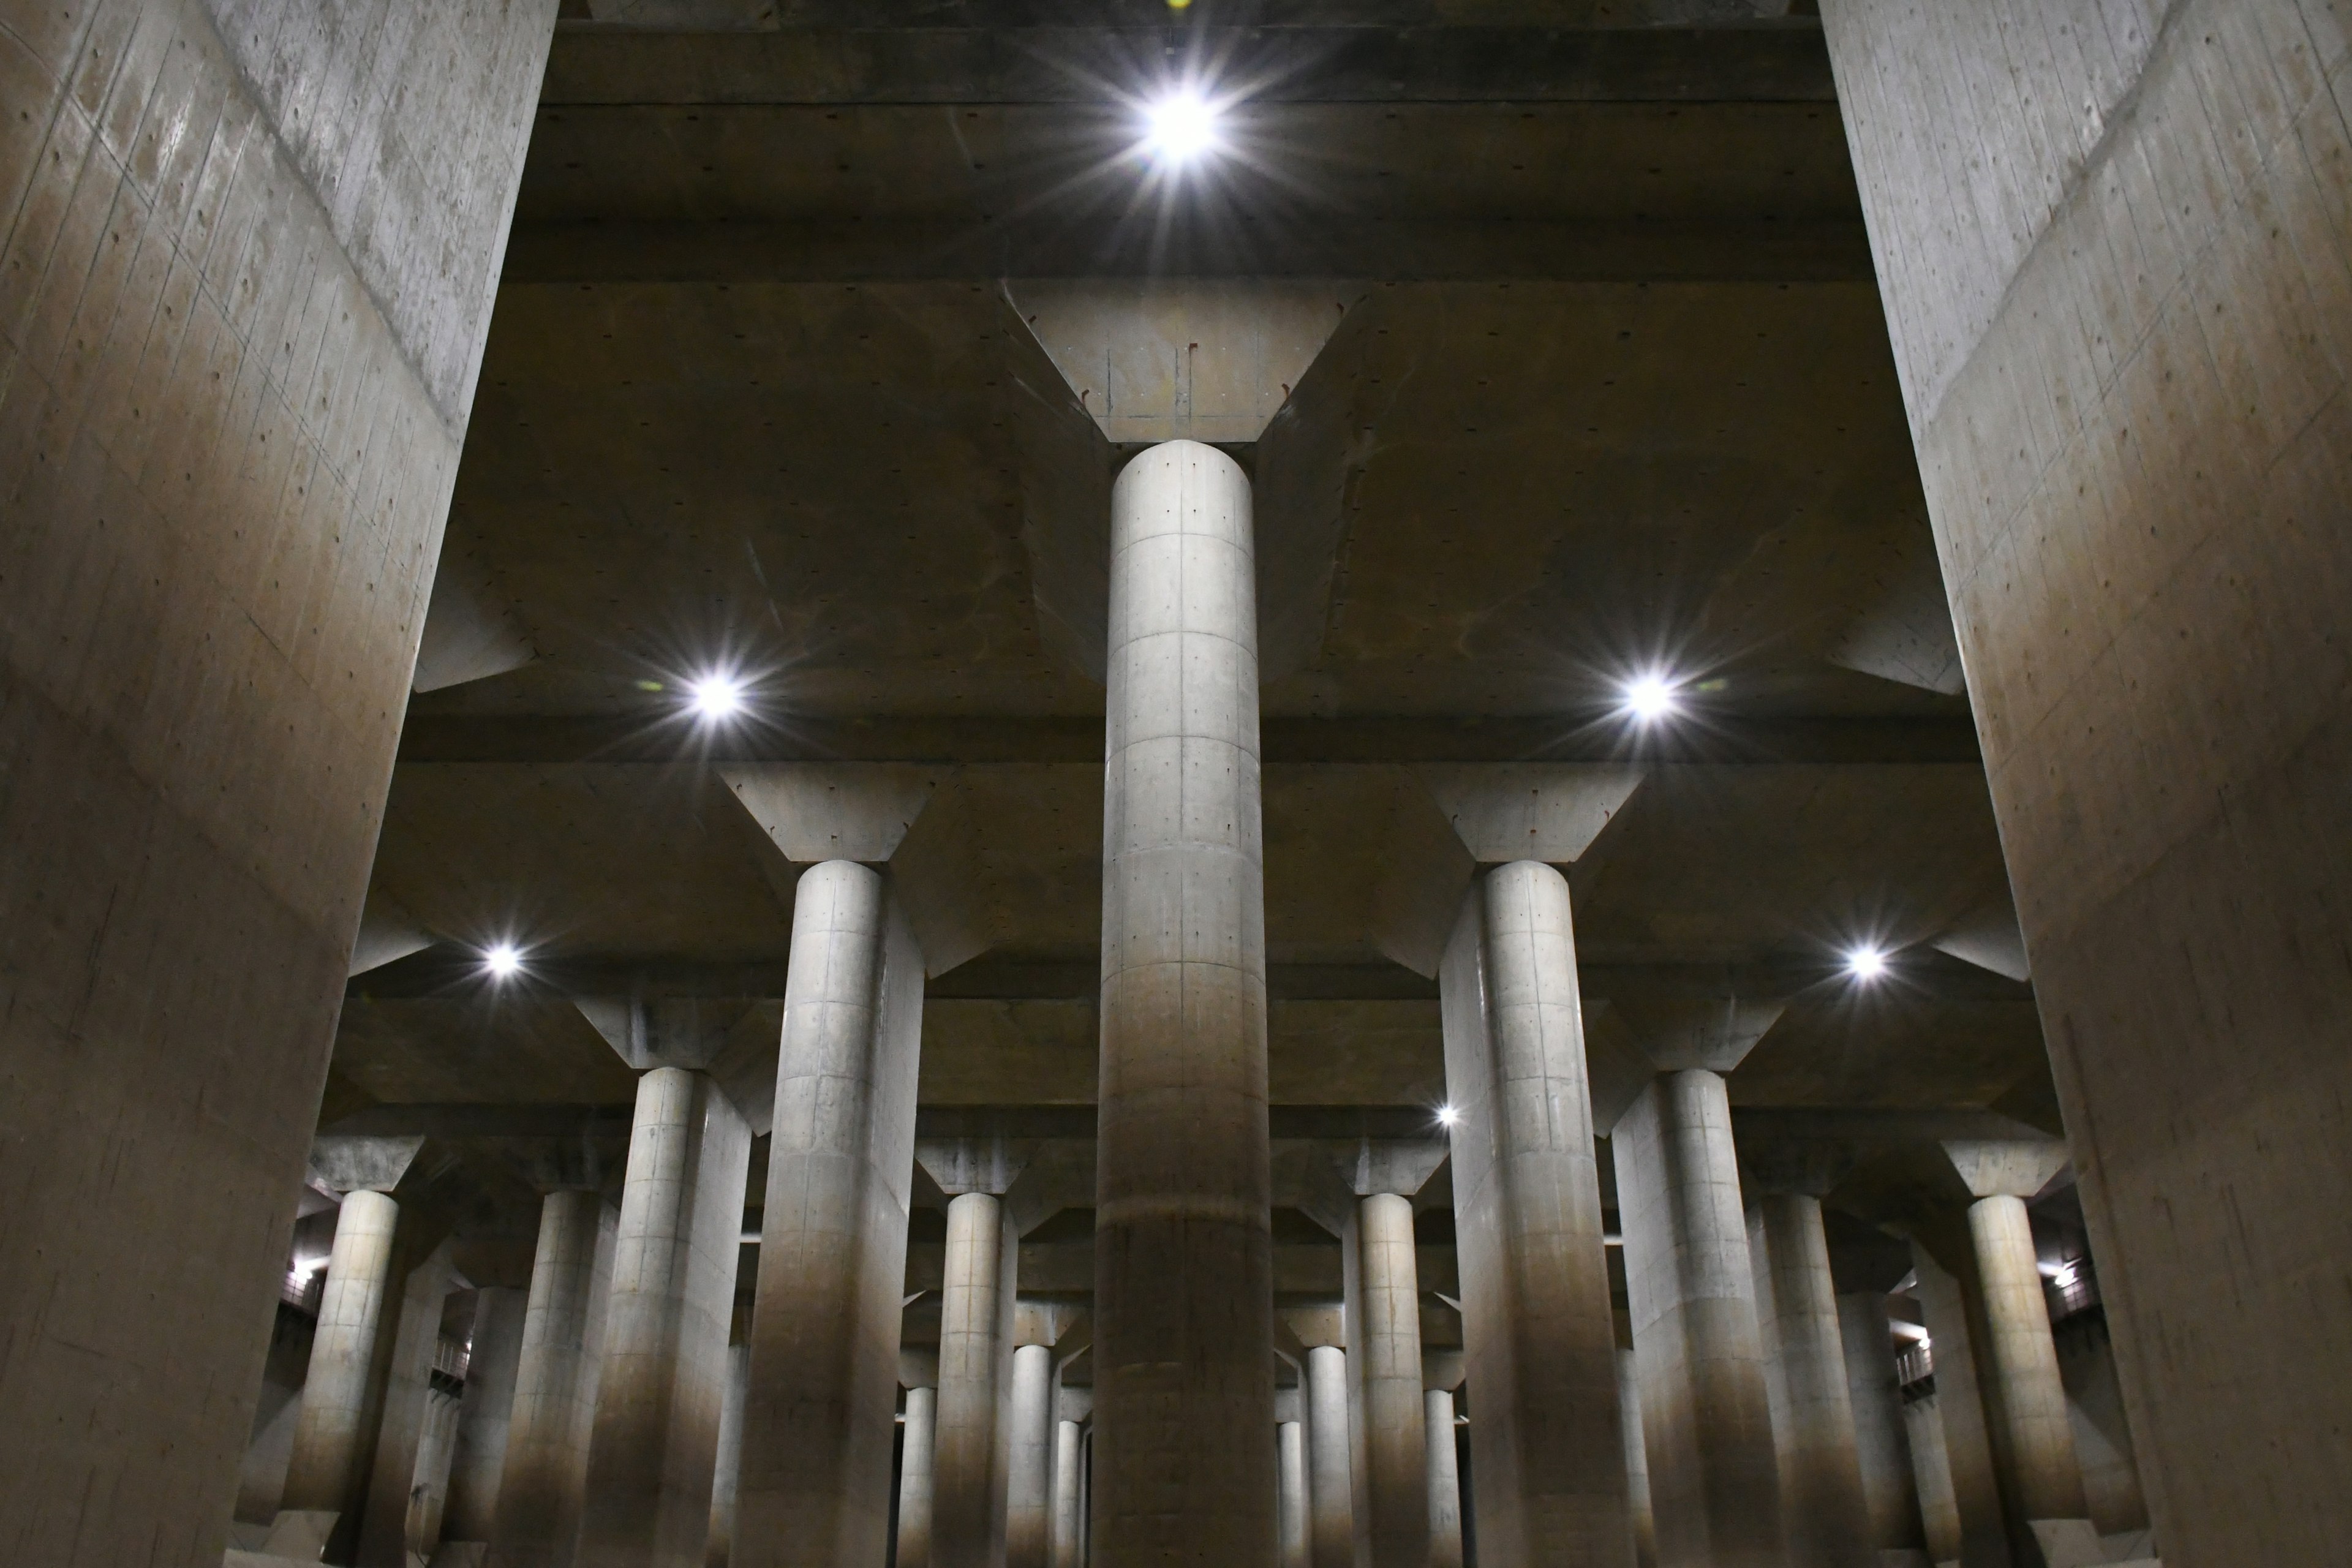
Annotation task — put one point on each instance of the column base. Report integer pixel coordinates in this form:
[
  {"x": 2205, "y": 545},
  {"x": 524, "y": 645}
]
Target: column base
[
  {"x": 2077, "y": 1544},
  {"x": 297, "y": 1535}
]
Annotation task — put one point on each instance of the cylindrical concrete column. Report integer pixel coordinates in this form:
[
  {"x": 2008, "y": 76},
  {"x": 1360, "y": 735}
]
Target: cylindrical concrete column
[
  {"x": 1183, "y": 1251},
  {"x": 1063, "y": 1548},
  {"x": 1291, "y": 1495},
  {"x": 1931, "y": 1469},
  {"x": 727, "y": 1476},
  {"x": 1330, "y": 1474},
  {"x": 813, "y": 1491},
  {"x": 1444, "y": 1480},
  {"x": 1882, "y": 1447},
  {"x": 486, "y": 1415},
  {"x": 1637, "y": 1460},
  {"x": 655, "y": 1448},
  {"x": 323, "y": 1472},
  {"x": 1715, "y": 1484},
  {"x": 1388, "y": 1366},
  {"x": 543, "y": 1485},
  {"x": 1822, "y": 1507},
  {"x": 2035, "y": 1437},
  {"x": 1548, "y": 1470},
  {"x": 916, "y": 1451},
  {"x": 968, "y": 1494},
  {"x": 1029, "y": 1473}
]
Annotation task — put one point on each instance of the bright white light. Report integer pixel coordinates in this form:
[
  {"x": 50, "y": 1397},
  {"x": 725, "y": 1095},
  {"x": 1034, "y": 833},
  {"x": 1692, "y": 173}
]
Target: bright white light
[
  {"x": 718, "y": 696},
  {"x": 502, "y": 961},
  {"x": 1865, "y": 963},
  {"x": 1182, "y": 126},
  {"x": 1651, "y": 697},
  {"x": 1447, "y": 1116}
]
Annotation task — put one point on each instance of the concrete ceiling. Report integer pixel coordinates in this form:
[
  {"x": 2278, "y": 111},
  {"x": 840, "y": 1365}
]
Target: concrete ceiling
[{"x": 1607, "y": 388}]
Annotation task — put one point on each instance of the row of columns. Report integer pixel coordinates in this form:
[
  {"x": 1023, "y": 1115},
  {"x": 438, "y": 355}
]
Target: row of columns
[{"x": 1740, "y": 1445}]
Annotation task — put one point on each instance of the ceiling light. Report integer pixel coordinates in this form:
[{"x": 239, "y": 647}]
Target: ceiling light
[
  {"x": 1447, "y": 1116},
  {"x": 1180, "y": 126},
  {"x": 718, "y": 696},
  {"x": 1649, "y": 698},
  {"x": 502, "y": 961},
  {"x": 1865, "y": 963}
]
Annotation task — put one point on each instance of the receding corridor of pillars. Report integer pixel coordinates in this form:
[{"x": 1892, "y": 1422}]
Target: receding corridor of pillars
[{"x": 1065, "y": 786}]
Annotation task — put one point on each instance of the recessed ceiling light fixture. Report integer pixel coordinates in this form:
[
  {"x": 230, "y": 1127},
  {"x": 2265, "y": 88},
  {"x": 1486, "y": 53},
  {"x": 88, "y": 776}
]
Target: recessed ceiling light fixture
[
  {"x": 1865, "y": 963},
  {"x": 1649, "y": 698},
  {"x": 717, "y": 696},
  {"x": 502, "y": 961},
  {"x": 1182, "y": 126},
  {"x": 1447, "y": 1116}
]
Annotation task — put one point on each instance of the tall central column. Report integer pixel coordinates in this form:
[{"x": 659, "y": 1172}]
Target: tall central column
[
  {"x": 968, "y": 1482},
  {"x": 1386, "y": 1330},
  {"x": 1183, "y": 1255},
  {"x": 545, "y": 1484}
]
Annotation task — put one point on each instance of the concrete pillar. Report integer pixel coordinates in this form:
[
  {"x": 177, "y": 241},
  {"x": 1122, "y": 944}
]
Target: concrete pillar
[
  {"x": 1823, "y": 1511},
  {"x": 1637, "y": 1460},
  {"x": 725, "y": 1480},
  {"x": 655, "y": 1441},
  {"x": 1029, "y": 1473},
  {"x": 1062, "y": 1548},
  {"x": 916, "y": 1451},
  {"x": 1444, "y": 1480},
  {"x": 384, "y": 1523},
  {"x": 1330, "y": 1472},
  {"x": 969, "y": 1492},
  {"x": 199, "y": 754},
  {"x": 1548, "y": 1465},
  {"x": 1385, "y": 1337},
  {"x": 1983, "y": 1527},
  {"x": 544, "y": 1483},
  {"x": 1931, "y": 1469},
  {"x": 338, "y": 1396},
  {"x": 1290, "y": 1457},
  {"x": 1715, "y": 1485},
  {"x": 486, "y": 1415},
  {"x": 1882, "y": 1446},
  {"x": 428, "y": 1493},
  {"x": 2103, "y": 1439},
  {"x": 813, "y": 1490},
  {"x": 2034, "y": 1438},
  {"x": 1184, "y": 1254}
]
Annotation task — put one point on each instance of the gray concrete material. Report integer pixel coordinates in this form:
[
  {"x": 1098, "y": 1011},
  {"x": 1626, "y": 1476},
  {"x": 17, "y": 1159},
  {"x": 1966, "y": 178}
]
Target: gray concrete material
[
  {"x": 1295, "y": 1537},
  {"x": 1183, "y": 1332},
  {"x": 542, "y": 1489},
  {"x": 386, "y": 1518},
  {"x": 1331, "y": 1460},
  {"x": 492, "y": 1365},
  {"x": 1539, "y": 1338},
  {"x": 916, "y": 1480},
  {"x": 1985, "y": 1533},
  {"x": 2103, "y": 1439},
  {"x": 814, "y": 1486},
  {"x": 1825, "y": 1510},
  {"x": 204, "y": 369},
  {"x": 1882, "y": 1443},
  {"x": 1029, "y": 1462},
  {"x": 1931, "y": 1469},
  {"x": 655, "y": 1444},
  {"x": 321, "y": 1469},
  {"x": 1444, "y": 1480},
  {"x": 1065, "y": 1539},
  {"x": 428, "y": 1491},
  {"x": 1637, "y": 1460},
  {"x": 261, "y": 1481},
  {"x": 2124, "y": 512},
  {"x": 1389, "y": 1411},
  {"x": 969, "y": 1493},
  {"x": 1715, "y": 1485},
  {"x": 2025, "y": 1396},
  {"x": 725, "y": 1478}
]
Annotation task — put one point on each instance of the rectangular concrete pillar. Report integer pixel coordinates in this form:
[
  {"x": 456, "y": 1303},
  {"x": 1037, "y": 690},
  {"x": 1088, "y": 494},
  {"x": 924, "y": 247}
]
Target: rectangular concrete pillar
[
  {"x": 1986, "y": 1537},
  {"x": 1548, "y": 1470},
  {"x": 2111, "y": 247},
  {"x": 655, "y": 1448},
  {"x": 393, "y": 1472},
  {"x": 1882, "y": 1445},
  {"x": 487, "y": 1414},
  {"x": 233, "y": 388},
  {"x": 543, "y": 1487}
]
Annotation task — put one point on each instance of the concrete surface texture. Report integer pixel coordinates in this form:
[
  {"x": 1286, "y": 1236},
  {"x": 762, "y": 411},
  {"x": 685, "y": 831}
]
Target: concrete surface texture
[
  {"x": 1468, "y": 618},
  {"x": 1183, "y": 1292},
  {"x": 1444, "y": 1480},
  {"x": 2126, "y": 509},
  {"x": 1547, "y": 1466}
]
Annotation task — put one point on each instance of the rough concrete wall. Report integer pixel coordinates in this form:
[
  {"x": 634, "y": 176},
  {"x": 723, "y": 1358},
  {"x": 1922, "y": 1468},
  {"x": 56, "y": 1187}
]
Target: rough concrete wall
[
  {"x": 224, "y": 463},
  {"x": 2113, "y": 245},
  {"x": 262, "y": 1478}
]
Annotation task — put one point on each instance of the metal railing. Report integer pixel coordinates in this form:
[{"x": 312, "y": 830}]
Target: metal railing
[
  {"x": 1914, "y": 1363},
  {"x": 301, "y": 1292}
]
